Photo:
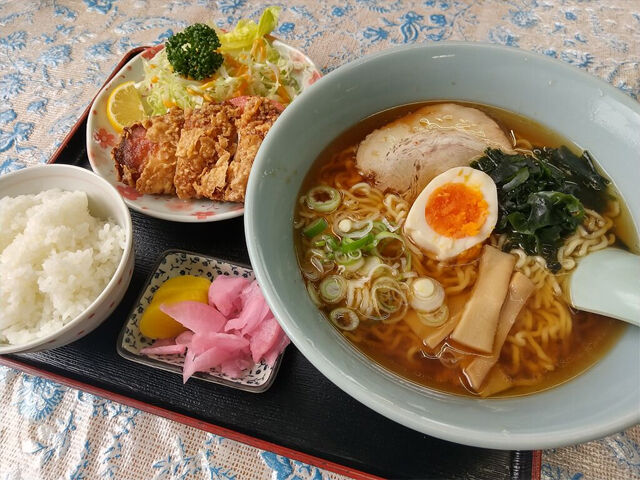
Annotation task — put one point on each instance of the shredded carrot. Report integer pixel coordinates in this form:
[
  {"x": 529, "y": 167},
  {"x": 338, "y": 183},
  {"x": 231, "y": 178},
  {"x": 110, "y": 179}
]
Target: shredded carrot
[
  {"x": 259, "y": 49},
  {"x": 168, "y": 103},
  {"x": 209, "y": 82},
  {"x": 254, "y": 47},
  {"x": 240, "y": 91},
  {"x": 283, "y": 94},
  {"x": 154, "y": 80},
  {"x": 191, "y": 91},
  {"x": 275, "y": 78},
  {"x": 263, "y": 50},
  {"x": 231, "y": 62}
]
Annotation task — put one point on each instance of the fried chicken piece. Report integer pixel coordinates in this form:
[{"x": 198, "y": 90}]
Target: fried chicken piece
[
  {"x": 131, "y": 153},
  {"x": 258, "y": 115},
  {"x": 206, "y": 152},
  {"x": 146, "y": 158},
  {"x": 207, "y": 144}
]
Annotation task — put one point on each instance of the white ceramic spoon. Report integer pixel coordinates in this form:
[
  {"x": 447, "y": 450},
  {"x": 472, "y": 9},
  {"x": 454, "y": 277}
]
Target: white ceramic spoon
[{"x": 608, "y": 282}]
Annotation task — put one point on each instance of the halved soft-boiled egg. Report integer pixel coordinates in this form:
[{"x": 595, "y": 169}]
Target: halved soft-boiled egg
[{"x": 456, "y": 210}]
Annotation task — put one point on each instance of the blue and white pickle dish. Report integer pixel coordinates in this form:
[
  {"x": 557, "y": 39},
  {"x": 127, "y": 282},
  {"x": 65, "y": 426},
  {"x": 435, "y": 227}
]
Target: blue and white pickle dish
[{"x": 174, "y": 263}]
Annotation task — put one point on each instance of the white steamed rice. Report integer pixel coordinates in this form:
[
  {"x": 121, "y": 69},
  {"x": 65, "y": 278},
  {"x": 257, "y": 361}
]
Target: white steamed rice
[{"x": 55, "y": 259}]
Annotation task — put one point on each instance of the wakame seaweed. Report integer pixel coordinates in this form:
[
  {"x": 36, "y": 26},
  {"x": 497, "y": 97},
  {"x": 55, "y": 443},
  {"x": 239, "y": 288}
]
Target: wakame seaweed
[{"x": 542, "y": 197}]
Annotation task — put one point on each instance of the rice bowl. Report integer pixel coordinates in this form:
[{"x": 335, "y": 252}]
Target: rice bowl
[
  {"x": 55, "y": 260},
  {"x": 67, "y": 263}
]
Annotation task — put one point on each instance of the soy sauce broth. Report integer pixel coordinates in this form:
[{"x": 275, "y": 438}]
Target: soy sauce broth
[{"x": 592, "y": 335}]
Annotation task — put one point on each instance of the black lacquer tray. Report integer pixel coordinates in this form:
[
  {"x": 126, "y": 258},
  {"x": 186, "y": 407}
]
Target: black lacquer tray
[{"x": 303, "y": 415}]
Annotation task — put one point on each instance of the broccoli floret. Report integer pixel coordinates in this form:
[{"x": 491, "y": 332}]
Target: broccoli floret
[{"x": 192, "y": 52}]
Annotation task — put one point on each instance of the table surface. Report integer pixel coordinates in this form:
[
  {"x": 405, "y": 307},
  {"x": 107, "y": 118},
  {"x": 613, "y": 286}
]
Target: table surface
[{"x": 53, "y": 58}]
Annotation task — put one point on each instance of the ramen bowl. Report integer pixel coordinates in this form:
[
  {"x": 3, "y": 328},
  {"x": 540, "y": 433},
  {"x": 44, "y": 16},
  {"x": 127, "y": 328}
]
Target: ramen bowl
[{"x": 585, "y": 110}]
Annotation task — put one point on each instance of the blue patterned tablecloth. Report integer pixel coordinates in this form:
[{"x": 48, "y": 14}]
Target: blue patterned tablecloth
[{"x": 55, "y": 54}]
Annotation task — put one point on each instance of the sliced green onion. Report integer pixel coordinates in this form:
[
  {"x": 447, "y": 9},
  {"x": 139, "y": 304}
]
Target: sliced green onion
[
  {"x": 347, "y": 258},
  {"x": 370, "y": 264},
  {"x": 318, "y": 264},
  {"x": 360, "y": 229},
  {"x": 316, "y": 227},
  {"x": 319, "y": 241},
  {"x": 333, "y": 288},
  {"x": 323, "y": 199},
  {"x": 350, "y": 245},
  {"x": 378, "y": 227},
  {"x": 388, "y": 296},
  {"x": 313, "y": 294},
  {"x": 380, "y": 270},
  {"x": 356, "y": 254},
  {"x": 436, "y": 318},
  {"x": 382, "y": 241},
  {"x": 331, "y": 242},
  {"x": 355, "y": 266},
  {"x": 427, "y": 295},
  {"x": 349, "y": 228},
  {"x": 344, "y": 318},
  {"x": 311, "y": 270},
  {"x": 316, "y": 252}
]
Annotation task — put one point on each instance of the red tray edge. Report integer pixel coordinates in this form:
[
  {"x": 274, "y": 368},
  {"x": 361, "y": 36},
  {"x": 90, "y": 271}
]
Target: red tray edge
[
  {"x": 536, "y": 465},
  {"x": 334, "y": 467}
]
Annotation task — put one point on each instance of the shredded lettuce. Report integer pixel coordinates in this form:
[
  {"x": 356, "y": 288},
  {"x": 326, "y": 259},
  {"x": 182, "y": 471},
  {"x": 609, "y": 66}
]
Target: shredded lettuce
[
  {"x": 252, "y": 65},
  {"x": 162, "y": 88}
]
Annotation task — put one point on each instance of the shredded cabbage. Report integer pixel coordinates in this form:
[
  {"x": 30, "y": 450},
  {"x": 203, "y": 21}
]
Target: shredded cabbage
[
  {"x": 252, "y": 65},
  {"x": 162, "y": 88}
]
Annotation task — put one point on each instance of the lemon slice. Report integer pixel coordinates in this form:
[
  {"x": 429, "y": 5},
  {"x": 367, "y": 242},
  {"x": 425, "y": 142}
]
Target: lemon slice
[{"x": 124, "y": 106}]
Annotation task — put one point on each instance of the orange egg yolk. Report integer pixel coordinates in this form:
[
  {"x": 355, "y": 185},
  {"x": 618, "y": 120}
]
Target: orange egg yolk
[{"x": 455, "y": 210}]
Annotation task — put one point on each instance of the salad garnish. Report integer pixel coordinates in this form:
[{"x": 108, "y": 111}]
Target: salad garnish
[{"x": 183, "y": 75}]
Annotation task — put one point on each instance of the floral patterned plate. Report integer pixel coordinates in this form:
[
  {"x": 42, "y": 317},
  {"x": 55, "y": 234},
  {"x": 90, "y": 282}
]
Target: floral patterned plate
[
  {"x": 101, "y": 138},
  {"x": 172, "y": 264}
]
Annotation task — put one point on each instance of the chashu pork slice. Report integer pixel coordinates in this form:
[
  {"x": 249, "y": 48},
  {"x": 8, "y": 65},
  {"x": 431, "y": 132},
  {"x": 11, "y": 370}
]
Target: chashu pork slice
[
  {"x": 146, "y": 158},
  {"x": 406, "y": 154}
]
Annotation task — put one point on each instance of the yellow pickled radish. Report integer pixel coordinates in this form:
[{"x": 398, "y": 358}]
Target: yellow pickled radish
[
  {"x": 156, "y": 324},
  {"x": 180, "y": 283}
]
